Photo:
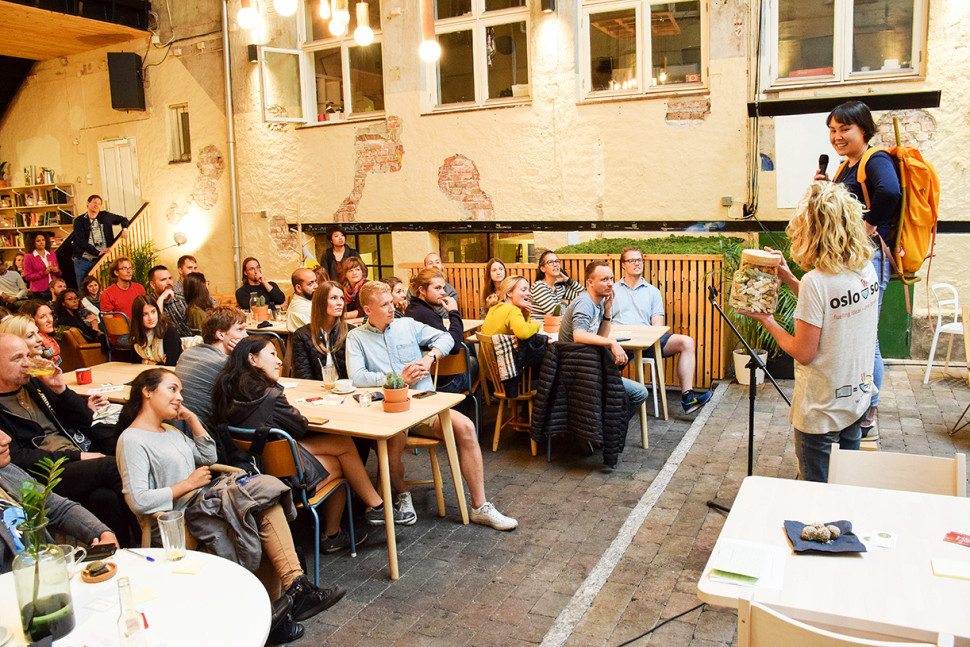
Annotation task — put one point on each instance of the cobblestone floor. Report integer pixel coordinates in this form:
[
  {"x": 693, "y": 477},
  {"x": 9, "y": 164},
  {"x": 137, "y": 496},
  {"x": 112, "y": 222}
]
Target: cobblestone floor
[{"x": 469, "y": 585}]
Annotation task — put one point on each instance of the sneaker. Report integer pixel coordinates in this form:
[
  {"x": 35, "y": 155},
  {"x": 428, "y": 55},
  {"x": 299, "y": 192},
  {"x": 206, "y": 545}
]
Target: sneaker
[
  {"x": 341, "y": 541},
  {"x": 283, "y": 628},
  {"x": 869, "y": 420},
  {"x": 404, "y": 513},
  {"x": 309, "y": 600},
  {"x": 487, "y": 515},
  {"x": 692, "y": 400},
  {"x": 375, "y": 516},
  {"x": 872, "y": 433}
]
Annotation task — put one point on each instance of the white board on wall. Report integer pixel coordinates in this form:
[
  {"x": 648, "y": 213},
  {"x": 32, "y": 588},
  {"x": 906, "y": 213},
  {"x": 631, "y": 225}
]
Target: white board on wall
[{"x": 799, "y": 140}]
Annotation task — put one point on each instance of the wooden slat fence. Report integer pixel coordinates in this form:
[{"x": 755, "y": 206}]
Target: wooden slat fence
[{"x": 681, "y": 279}]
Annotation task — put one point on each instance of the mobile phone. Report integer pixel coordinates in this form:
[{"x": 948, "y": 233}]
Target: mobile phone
[
  {"x": 100, "y": 551},
  {"x": 423, "y": 394},
  {"x": 623, "y": 339},
  {"x": 375, "y": 396}
]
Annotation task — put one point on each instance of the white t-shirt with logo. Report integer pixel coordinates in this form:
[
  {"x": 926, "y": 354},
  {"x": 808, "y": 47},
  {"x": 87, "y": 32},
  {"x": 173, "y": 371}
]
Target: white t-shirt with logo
[{"x": 834, "y": 390}]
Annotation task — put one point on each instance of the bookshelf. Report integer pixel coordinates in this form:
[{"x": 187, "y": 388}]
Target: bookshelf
[{"x": 38, "y": 207}]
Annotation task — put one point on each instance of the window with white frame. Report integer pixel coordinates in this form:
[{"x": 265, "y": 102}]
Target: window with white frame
[
  {"x": 836, "y": 41},
  {"x": 632, "y": 47},
  {"x": 347, "y": 79},
  {"x": 484, "y": 53},
  {"x": 179, "y": 139}
]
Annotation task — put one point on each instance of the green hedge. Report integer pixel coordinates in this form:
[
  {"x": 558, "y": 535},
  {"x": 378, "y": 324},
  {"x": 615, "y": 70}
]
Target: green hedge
[{"x": 669, "y": 245}]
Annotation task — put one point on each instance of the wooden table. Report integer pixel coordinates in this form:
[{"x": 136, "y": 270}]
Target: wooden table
[
  {"x": 278, "y": 327},
  {"x": 181, "y": 608},
  {"x": 350, "y": 419},
  {"x": 107, "y": 375},
  {"x": 877, "y": 588}
]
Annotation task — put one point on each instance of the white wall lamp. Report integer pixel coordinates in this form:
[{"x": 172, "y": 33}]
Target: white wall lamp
[{"x": 179, "y": 238}]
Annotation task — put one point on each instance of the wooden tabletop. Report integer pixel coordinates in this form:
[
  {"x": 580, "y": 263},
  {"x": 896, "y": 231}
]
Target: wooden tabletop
[
  {"x": 104, "y": 377},
  {"x": 882, "y": 586},
  {"x": 640, "y": 337},
  {"x": 279, "y": 327}
]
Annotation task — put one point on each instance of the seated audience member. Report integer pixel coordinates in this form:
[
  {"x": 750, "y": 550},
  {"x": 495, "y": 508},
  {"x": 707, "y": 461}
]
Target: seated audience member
[
  {"x": 164, "y": 469},
  {"x": 339, "y": 252},
  {"x": 12, "y": 286},
  {"x": 637, "y": 303},
  {"x": 68, "y": 312},
  {"x": 153, "y": 336},
  {"x": 43, "y": 316},
  {"x": 198, "y": 301},
  {"x": 369, "y": 360},
  {"x": 354, "y": 276},
  {"x": 322, "y": 274},
  {"x": 433, "y": 262},
  {"x": 511, "y": 315},
  {"x": 18, "y": 263},
  {"x": 495, "y": 273},
  {"x": 64, "y": 516},
  {"x": 23, "y": 326},
  {"x": 91, "y": 294},
  {"x": 185, "y": 265},
  {"x": 170, "y": 304},
  {"x": 248, "y": 394},
  {"x": 199, "y": 366},
  {"x": 552, "y": 287},
  {"x": 399, "y": 293},
  {"x": 321, "y": 342},
  {"x": 833, "y": 345},
  {"x": 40, "y": 266},
  {"x": 48, "y": 420},
  {"x": 119, "y": 296},
  {"x": 298, "y": 312},
  {"x": 57, "y": 287},
  {"x": 255, "y": 283},
  {"x": 428, "y": 287},
  {"x": 587, "y": 321}
]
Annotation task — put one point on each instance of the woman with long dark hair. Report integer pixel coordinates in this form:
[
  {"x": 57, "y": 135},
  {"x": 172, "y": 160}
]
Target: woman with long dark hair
[
  {"x": 247, "y": 394},
  {"x": 164, "y": 469},
  {"x": 353, "y": 274},
  {"x": 40, "y": 265},
  {"x": 321, "y": 342},
  {"x": 91, "y": 294},
  {"x": 552, "y": 286},
  {"x": 198, "y": 301},
  {"x": 68, "y": 312},
  {"x": 495, "y": 272},
  {"x": 153, "y": 336}
]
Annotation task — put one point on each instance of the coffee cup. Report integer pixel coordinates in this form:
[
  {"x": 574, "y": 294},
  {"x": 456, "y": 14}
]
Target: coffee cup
[
  {"x": 344, "y": 385},
  {"x": 83, "y": 375}
]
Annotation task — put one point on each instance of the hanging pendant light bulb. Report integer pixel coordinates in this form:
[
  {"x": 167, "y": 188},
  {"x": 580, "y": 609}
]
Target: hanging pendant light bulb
[
  {"x": 429, "y": 50},
  {"x": 285, "y": 7},
  {"x": 341, "y": 12},
  {"x": 324, "y": 10},
  {"x": 337, "y": 27},
  {"x": 363, "y": 35},
  {"x": 248, "y": 16}
]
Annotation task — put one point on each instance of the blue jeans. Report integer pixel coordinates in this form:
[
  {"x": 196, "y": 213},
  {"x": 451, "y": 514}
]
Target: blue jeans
[
  {"x": 813, "y": 450},
  {"x": 636, "y": 392},
  {"x": 881, "y": 264},
  {"x": 81, "y": 268}
]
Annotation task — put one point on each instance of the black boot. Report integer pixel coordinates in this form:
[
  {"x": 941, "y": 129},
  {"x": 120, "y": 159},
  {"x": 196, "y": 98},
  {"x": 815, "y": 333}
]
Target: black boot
[
  {"x": 309, "y": 600},
  {"x": 283, "y": 628}
]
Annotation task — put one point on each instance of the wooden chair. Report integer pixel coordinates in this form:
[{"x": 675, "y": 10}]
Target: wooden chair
[
  {"x": 114, "y": 325},
  {"x": 281, "y": 458},
  {"x": 280, "y": 348},
  {"x": 454, "y": 365},
  {"x": 762, "y": 626},
  {"x": 526, "y": 393},
  {"x": 77, "y": 352},
  {"x": 893, "y": 471},
  {"x": 431, "y": 444}
]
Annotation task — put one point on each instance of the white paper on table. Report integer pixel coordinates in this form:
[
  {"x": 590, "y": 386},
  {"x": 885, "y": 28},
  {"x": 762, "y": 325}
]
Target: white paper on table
[
  {"x": 763, "y": 562},
  {"x": 877, "y": 538},
  {"x": 287, "y": 384},
  {"x": 106, "y": 388}
]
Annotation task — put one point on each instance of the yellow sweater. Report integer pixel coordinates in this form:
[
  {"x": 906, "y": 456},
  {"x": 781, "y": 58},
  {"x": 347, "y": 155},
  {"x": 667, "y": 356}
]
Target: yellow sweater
[{"x": 506, "y": 319}]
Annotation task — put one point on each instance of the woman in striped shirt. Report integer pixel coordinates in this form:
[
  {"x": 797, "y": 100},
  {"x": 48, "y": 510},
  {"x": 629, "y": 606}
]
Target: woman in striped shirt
[{"x": 552, "y": 287}]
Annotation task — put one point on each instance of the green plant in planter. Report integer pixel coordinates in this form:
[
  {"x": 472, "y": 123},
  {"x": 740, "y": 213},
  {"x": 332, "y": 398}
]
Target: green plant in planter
[
  {"x": 143, "y": 258},
  {"x": 394, "y": 381},
  {"x": 259, "y": 302},
  {"x": 557, "y": 310}
]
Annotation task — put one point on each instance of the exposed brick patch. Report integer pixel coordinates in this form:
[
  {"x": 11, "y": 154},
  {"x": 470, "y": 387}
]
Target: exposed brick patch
[
  {"x": 284, "y": 240},
  {"x": 688, "y": 110},
  {"x": 175, "y": 213},
  {"x": 279, "y": 112},
  {"x": 205, "y": 190},
  {"x": 916, "y": 128},
  {"x": 377, "y": 149},
  {"x": 459, "y": 180}
]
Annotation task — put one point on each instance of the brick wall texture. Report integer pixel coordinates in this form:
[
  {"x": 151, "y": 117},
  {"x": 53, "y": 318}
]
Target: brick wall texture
[
  {"x": 459, "y": 180},
  {"x": 377, "y": 149}
]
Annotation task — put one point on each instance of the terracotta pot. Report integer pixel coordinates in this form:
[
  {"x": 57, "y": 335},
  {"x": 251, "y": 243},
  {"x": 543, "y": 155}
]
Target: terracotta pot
[
  {"x": 261, "y": 313},
  {"x": 396, "y": 407},
  {"x": 551, "y": 323},
  {"x": 396, "y": 395}
]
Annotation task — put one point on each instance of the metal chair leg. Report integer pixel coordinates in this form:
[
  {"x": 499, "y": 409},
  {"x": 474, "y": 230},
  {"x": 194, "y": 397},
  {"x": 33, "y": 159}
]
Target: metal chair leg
[
  {"x": 957, "y": 427},
  {"x": 350, "y": 519}
]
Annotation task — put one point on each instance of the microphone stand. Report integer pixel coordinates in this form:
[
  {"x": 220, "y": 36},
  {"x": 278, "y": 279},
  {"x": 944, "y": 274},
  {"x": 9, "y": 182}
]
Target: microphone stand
[{"x": 753, "y": 365}]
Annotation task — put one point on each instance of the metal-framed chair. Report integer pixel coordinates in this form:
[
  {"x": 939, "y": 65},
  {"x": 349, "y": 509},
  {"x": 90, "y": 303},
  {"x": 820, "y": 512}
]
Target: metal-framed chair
[
  {"x": 281, "y": 458},
  {"x": 115, "y": 325}
]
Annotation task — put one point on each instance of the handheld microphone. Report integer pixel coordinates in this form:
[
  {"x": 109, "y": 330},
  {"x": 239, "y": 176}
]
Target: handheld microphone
[{"x": 823, "y": 164}]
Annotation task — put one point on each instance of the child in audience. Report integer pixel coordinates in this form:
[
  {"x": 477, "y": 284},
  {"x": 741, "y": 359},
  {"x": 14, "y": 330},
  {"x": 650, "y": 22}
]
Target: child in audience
[{"x": 153, "y": 337}]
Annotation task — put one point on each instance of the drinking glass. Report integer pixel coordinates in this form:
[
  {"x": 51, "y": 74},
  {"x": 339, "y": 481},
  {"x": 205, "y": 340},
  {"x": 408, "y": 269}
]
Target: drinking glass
[
  {"x": 365, "y": 399},
  {"x": 329, "y": 377},
  {"x": 39, "y": 367},
  {"x": 171, "y": 526},
  {"x": 72, "y": 557}
]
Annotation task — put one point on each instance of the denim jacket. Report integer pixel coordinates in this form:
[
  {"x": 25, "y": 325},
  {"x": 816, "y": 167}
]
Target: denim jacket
[{"x": 372, "y": 354}]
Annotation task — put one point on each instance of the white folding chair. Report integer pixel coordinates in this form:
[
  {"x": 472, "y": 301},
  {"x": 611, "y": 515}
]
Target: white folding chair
[
  {"x": 895, "y": 471},
  {"x": 653, "y": 383},
  {"x": 945, "y": 296}
]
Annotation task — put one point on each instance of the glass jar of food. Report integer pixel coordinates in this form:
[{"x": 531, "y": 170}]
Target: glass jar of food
[{"x": 756, "y": 283}]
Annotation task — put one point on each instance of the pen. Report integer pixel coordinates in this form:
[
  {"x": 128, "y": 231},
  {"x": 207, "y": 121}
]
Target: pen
[{"x": 145, "y": 557}]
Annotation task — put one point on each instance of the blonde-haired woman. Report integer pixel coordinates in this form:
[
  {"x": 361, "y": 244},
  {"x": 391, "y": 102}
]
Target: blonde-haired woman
[
  {"x": 835, "y": 325},
  {"x": 23, "y": 326},
  {"x": 510, "y": 315}
]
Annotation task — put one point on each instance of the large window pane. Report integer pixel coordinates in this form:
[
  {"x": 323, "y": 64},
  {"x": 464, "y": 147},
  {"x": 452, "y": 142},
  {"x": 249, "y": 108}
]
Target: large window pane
[
  {"x": 805, "y": 29},
  {"x": 507, "y": 51},
  {"x": 613, "y": 50},
  {"x": 675, "y": 39},
  {"x": 514, "y": 247},
  {"x": 463, "y": 248},
  {"x": 281, "y": 78},
  {"x": 328, "y": 73},
  {"x": 366, "y": 79},
  {"x": 495, "y": 5},
  {"x": 456, "y": 68},
  {"x": 367, "y": 245},
  {"x": 451, "y": 8},
  {"x": 882, "y": 35}
]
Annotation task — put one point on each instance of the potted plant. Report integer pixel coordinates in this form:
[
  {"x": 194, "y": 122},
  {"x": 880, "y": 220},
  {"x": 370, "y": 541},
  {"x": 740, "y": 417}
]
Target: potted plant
[
  {"x": 396, "y": 398},
  {"x": 258, "y": 307},
  {"x": 40, "y": 574},
  {"x": 552, "y": 321}
]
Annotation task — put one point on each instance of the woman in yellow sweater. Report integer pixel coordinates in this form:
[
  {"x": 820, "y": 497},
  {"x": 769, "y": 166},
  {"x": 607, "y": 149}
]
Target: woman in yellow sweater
[{"x": 510, "y": 316}]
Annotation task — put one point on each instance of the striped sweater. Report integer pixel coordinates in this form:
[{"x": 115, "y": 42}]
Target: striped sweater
[{"x": 544, "y": 298}]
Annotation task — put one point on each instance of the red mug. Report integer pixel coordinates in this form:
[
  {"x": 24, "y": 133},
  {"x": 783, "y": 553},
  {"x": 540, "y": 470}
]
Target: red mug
[{"x": 83, "y": 375}]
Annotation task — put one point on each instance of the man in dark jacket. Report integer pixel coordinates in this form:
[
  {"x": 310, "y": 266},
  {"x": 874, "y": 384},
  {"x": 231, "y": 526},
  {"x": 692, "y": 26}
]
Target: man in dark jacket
[
  {"x": 94, "y": 235},
  {"x": 255, "y": 283},
  {"x": 47, "y": 419}
]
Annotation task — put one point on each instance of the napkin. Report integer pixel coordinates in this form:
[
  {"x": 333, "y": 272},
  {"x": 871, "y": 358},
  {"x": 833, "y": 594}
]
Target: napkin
[{"x": 846, "y": 543}]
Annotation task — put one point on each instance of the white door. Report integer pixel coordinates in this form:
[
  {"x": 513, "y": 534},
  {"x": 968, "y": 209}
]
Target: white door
[{"x": 119, "y": 176}]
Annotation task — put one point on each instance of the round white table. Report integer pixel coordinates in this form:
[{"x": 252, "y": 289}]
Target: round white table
[{"x": 199, "y": 600}]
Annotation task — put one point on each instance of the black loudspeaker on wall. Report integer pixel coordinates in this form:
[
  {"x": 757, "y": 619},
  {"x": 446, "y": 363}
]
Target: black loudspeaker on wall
[{"x": 125, "y": 77}]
